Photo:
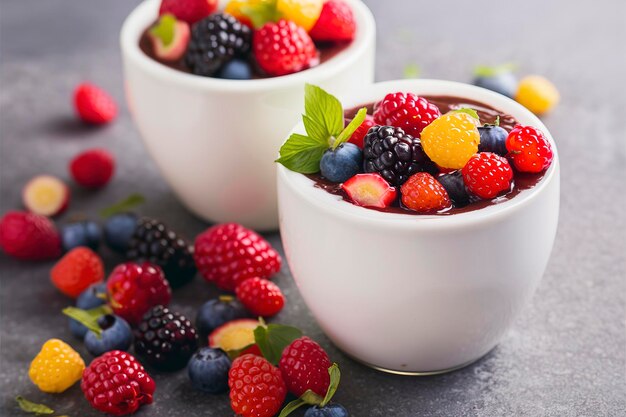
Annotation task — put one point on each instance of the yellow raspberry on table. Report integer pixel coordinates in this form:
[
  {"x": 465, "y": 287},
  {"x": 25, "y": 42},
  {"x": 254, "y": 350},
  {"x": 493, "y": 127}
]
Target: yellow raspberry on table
[
  {"x": 56, "y": 367},
  {"x": 451, "y": 139},
  {"x": 537, "y": 94}
]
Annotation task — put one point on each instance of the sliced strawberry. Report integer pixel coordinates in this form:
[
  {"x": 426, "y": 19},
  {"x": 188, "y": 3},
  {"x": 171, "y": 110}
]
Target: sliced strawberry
[
  {"x": 170, "y": 38},
  {"x": 46, "y": 195},
  {"x": 369, "y": 190},
  {"x": 234, "y": 335},
  {"x": 336, "y": 23}
]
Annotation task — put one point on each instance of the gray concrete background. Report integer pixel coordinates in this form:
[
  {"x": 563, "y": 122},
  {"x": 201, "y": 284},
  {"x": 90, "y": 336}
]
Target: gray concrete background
[{"x": 566, "y": 354}]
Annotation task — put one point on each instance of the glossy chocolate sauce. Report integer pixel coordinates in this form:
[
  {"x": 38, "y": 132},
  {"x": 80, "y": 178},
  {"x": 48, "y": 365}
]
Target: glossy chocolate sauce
[{"x": 521, "y": 181}]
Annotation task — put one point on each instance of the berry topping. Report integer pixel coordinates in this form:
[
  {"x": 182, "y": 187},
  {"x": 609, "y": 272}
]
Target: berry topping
[
  {"x": 303, "y": 13},
  {"x": 283, "y": 48},
  {"x": 330, "y": 410},
  {"x": 360, "y": 132},
  {"x": 529, "y": 149},
  {"x": 422, "y": 193},
  {"x": 537, "y": 94},
  {"x": 234, "y": 335},
  {"x": 94, "y": 105},
  {"x": 304, "y": 365},
  {"x": 369, "y": 190},
  {"x": 169, "y": 38},
  {"x": 336, "y": 23},
  {"x": 499, "y": 79},
  {"x": 216, "y": 40},
  {"x": 452, "y": 139},
  {"x": 165, "y": 339},
  {"x": 260, "y": 296},
  {"x": 135, "y": 288},
  {"x": 218, "y": 311},
  {"x": 56, "y": 367},
  {"x": 341, "y": 163},
  {"x": 115, "y": 334},
  {"x": 407, "y": 111},
  {"x": 93, "y": 168},
  {"x": 455, "y": 187},
  {"x": 208, "y": 370},
  {"x": 84, "y": 233},
  {"x": 29, "y": 236},
  {"x": 256, "y": 386},
  {"x": 46, "y": 195},
  {"x": 118, "y": 231},
  {"x": 487, "y": 175},
  {"x": 236, "y": 69},
  {"x": 94, "y": 296},
  {"x": 229, "y": 253},
  {"x": 492, "y": 139},
  {"x": 76, "y": 271},
  {"x": 189, "y": 11},
  {"x": 394, "y": 155},
  {"x": 116, "y": 383}
]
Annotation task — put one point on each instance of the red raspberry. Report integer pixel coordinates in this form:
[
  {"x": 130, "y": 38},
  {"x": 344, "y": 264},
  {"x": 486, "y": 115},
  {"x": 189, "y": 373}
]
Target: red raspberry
[
  {"x": 93, "y": 168},
  {"x": 260, "y": 297},
  {"x": 360, "y": 132},
  {"x": 424, "y": 194},
  {"x": 29, "y": 236},
  {"x": 76, "y": 271},
  {"x": 407, "y": 111},
  {"x": 529, "y": 149},
  {"x": 229, "y": 253},
  {"x": 304, "y": 365},
  {"x": 93, "y": 104},
  {"x": 116, "y": 383},
  {"x": 256, "y": 386},
  {"x": 336, "y": 23},
  {"x": 487, "y": 174},
  {"x": 283, "y": 48},
  {"x": 188, "y": 10},
  {"x": 136, "y": 288}
]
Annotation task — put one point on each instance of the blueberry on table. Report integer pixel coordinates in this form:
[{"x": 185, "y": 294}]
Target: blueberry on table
[
  {"x": 208, "y": 370},
  {"x": 492, "y": 139},
  {"x": 118, "y": 230},
  {"x": 499, "y": 79},
  {"x": 330, "y": 410},
  {"x": 236, "y": 69},
  {"x": 116, "y": 335},
  {"x": 216, "y": 312},
  {"x": 85, "y": 233},
  {"x": 342, "y": 163},
  {"x": 92, "y": 297}
]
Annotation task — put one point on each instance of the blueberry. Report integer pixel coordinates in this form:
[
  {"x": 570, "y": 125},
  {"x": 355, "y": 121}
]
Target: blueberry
[
  {"x": 85, "y": 233},
  {"x": 504, "y": 83},
  {"x": 493, "y": 139},
  {"x": 330, "y": 410},
  {"x": 341, "y": 164},
  {"x": 454, "y": 185},
  {"x": 208, "y": 370},
  {"x": 216, "y": 312},
  {"x": 116, "y": 335},
  {"x": 118, "y": 230},
  {"x": 88, "y": 299},
  {"x": 236, "y": 69}
]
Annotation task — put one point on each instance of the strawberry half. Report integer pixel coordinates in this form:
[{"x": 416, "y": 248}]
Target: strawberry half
[
  {"x": 336, "y": 23},
  {"x": 189, "y": 11},
  {"x": 369, "y": 190}
]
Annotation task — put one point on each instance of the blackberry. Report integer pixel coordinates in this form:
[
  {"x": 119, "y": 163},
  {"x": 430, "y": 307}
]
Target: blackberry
[
  {"x": 165, "y": 339},
  {"x": 216, "y": 40},
  {"x": 154, "y": 242},
  {"x": 394, "y": 154}
]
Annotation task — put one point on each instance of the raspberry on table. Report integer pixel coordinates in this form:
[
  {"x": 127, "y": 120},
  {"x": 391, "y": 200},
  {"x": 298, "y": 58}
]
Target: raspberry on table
[
  {"x": 260, "y": 296},
  {"x": 29, "y": 236},
  {"x": 529, "y": 149},
  {"x": 451, "y": 140},
  {"x": 487, "y": 175},
  {"x": 76, "y": 271},
  {"x": 93, "y": 168},
  {"x": 407, "y": 111},
  {"x": 56, "y": 367},
  {"x": 94, "y": 105},
  {"x": 304, "y": 365},
  {"x": 424, "y": 194}
]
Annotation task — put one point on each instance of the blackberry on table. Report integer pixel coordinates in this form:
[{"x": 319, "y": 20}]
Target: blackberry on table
[
  {"x": 216, "y": 40},
  {"x": 394, "y": 154}
]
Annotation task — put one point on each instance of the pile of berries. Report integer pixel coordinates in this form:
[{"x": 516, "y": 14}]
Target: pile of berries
[{"x": 266, "y": 38}]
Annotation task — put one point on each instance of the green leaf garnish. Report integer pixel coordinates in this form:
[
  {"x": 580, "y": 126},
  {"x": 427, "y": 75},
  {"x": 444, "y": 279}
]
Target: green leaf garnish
[
  {"x": 352, "y": 126},
  {"x": 274, "y": 338},
  {"x": 495, "y": 123},
  {"x": 325, "y": 109},
  {"x": 123, "y": 206},
  {"x": 33, "y": 408},
  {"x": 302, "y": 154},
  {"x": 412, "y": 71},
  {"x": 335, "y": 377},
  {"x": 311, "y": 398},
  {"x": 164, "y": 28},
  {"x": 88, "y": 318},
  {"x": 486, "y": 71},
  {"x": 261, "y": 12},
  {"x": 469, "y": 111},
  {"x": 235, "y": 353}
]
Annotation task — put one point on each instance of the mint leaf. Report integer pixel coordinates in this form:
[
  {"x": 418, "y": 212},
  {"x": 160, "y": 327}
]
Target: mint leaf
[
  {"x": 261, "y": 12},
  {"x": 123, "y": 206},
  {"x": 88, "y": 318},
  {"x": 352, "y": 126},
  {"x": 469, "y": 111},
  {"x": 291, "y": 407},
  {"x": 164, "y": 29},
  {"x": 486, "y": 71},
  {"x": 315, "y": 130},
  {"x": 235, "y": 353},
  {"x": 33, "y": 408},
  {"x": 273, "y": 339},
  {"x": 324, "y": 108},
  {"x": 335, "y": 377},
  {"x": 412, "y": 71},
  {"x": 302, "y": 154}
]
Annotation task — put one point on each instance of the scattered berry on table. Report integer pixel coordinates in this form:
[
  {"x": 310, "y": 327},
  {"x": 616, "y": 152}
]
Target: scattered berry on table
[
  {"x": 208, "y": 370},
  {"x": 94, "y": 105},
  {"x": 218, "y": 311},
  {"x": 537, "y": 94},
  {"x": 407, "y": 111},
  {"x": 118, "y": 230},
  {"x": 360, "y": 132},
  {"x": 236, "y": 69},
  {"x": 424, "y": 194},
  {"x": 165, "y": 339},
  {"x": 336, "y": 23},
  {"x": 330, "y": 410},
  {"x": 56, "y": 367},
  {"x": 154, "y": 242},
  {"x": 94, "y": 296},
  {"x": 116, "y": 335},
  {"x": 93, "y": 168},
  {"x": 46, "y": 195},
  {"x": 342, "y": 163},
  {"x": 135, "y": 288},
  {"x": 227, "y": 254},
  {"x": 529, "y": 149},
  {"x": 216, "y": 40},
  {"x": 455, "y": 187},
  {"x": 369, "y": 190},
  {"x": 189, "y": 11},
  {"x": 303, "y": 13},
  {"x": 234, "y": 335},
  {"x": 393, "y": 154},
  {"x": 170, "y": 38},
  {"x": 487, "y": 175},
  {"x": 304, "y": 365},
  {"x": 76, "y": 271},
  {"x": 492, "y": 139},
  {"x": 116, "y": 383},
  {"x": 256, "y": 386},
  {"x": 260, "y": 296},
  {"x": 29, "y": 236},
  {"x": 451, "y": 140},
  {"x": 84, "y": 233},
  {"x": 283, "y": 48},
  {"x": 499, "y": 79}
]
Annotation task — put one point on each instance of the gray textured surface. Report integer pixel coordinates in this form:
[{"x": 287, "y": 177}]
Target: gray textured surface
[{"x": 565, "y": 356}]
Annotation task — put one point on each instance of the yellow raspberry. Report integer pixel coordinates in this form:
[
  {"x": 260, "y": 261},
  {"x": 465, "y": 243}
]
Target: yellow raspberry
[
  {"x": 537, "y": 94},
  {"x": 451, "y": 139},
  {"x": 235, "y": 8},
  {"x": 302, "y": 12},
  {"x": 56, "y": 367}
]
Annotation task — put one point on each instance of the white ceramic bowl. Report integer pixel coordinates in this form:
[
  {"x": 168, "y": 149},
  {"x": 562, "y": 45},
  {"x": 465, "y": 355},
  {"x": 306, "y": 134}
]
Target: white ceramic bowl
[
  {"x": 418, "y": 294},
  {"x": 215, "y": 140}
]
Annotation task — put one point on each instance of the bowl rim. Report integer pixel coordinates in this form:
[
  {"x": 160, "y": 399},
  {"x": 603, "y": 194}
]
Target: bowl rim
[
  {"x": 334, "y": 205},
  {"x": 146, "y": 12}
]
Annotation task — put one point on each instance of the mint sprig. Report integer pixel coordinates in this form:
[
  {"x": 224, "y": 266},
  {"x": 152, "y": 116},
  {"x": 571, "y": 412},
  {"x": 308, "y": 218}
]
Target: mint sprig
[
  {"x": 274, "y": 338},
  {"x": 467, "y": 110},
  {"x": 33, "y": 408},
  {"x": 165, "y": 28},
  {"x": 88, "y": 318},
  {"x": 262, "y": 12},
  {"x": 124, "y": 205},
  {"x": 311, "y": 398},
  {"x": 487, "y": 71},
  {"x": 412, "y": 71}
]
